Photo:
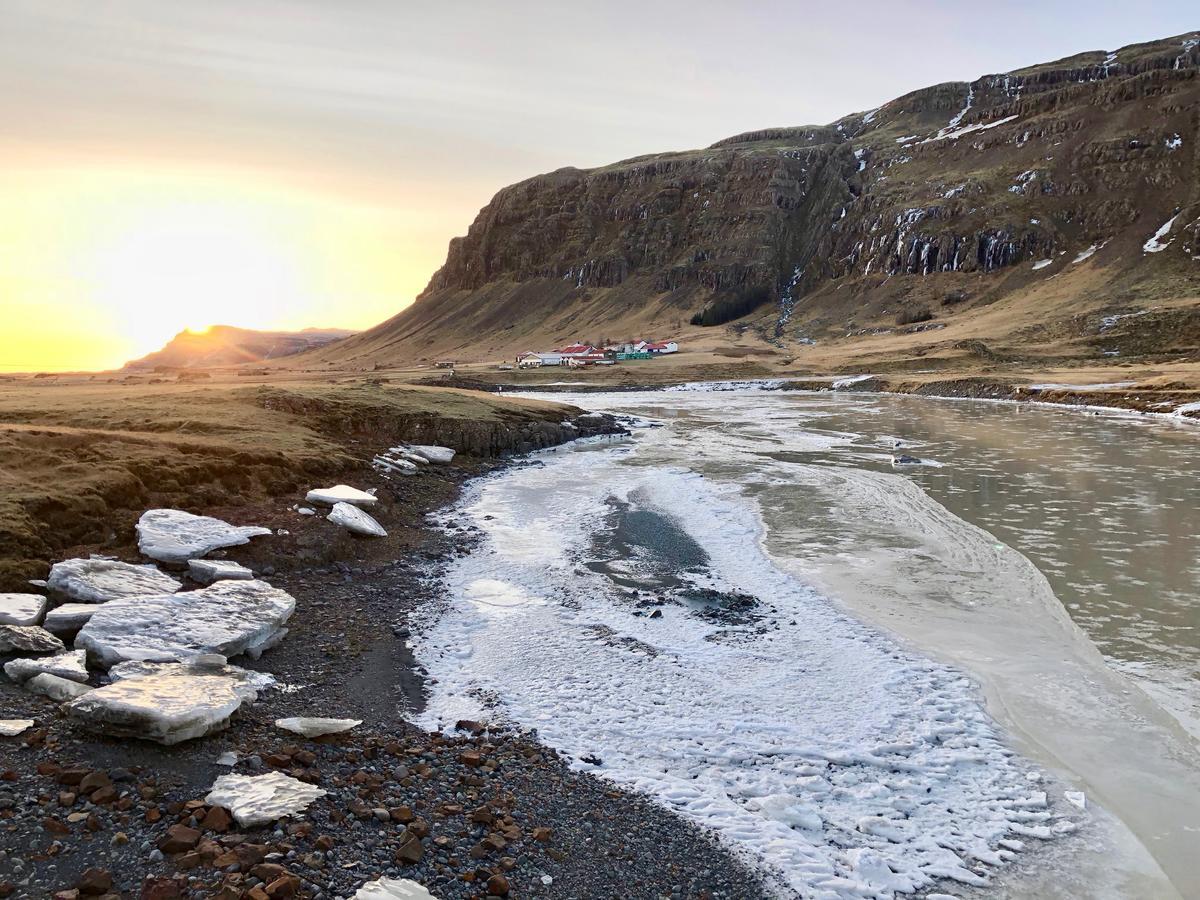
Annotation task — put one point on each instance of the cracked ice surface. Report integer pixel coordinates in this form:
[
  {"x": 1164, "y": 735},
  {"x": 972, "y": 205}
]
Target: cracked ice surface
[
  {"x": 166, "y": 709},
  {"x": 71, "y": 665},
  {"x": 21, "y": 609},
  {"x": 260, "y": 799},
  {"x": 228, "y": 618},
  {"x": 355, "y": 520},
  {"x": 174, "y": 536},
  {"x": 99, "y": 580},
  {"x": 847, "y": 764}
]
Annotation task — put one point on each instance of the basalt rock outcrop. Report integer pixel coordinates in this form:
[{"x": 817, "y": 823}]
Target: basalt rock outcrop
[{"x": 959, "y": 185}]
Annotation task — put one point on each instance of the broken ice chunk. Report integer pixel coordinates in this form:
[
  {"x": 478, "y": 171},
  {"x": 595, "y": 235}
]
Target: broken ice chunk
[
  {"x": 166, "y": 709},
  {"x": 98, "y": 580},
  {"x": 28, "y": 639},
  {"x": 246, "y": 682},
  {"x": 228, "y": 618},
  {"x": 1076, "y": 798},
  {"x": 13, "y": 727},
  {"x": 71, "y": 665},
  {"x": 259, "y": 799},
  {"x": 69, "y": 617},
  {"x": 174, "y": 536},
  {"x": 21, "y": 609},
  {"x": 228, "y": 758},
  {"x": 341, "y": 493},
  {"x": 59, "y": 689},
  {"x": 206, "y": 571},
  {"x": 397, "y": 889},
  {"x": 315, "y": 726},
  {"x": 431, "y": 453},
  {"x": 355, "y": 520}
]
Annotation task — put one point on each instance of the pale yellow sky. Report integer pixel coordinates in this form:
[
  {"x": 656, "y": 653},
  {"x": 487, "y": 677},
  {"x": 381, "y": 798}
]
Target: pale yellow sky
[{"x": 296, "y": 163}]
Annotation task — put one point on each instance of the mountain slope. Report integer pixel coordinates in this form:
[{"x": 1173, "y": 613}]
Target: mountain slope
[
  {"x": 225, "y": 345},
  {"x": 955, "y": 202}
]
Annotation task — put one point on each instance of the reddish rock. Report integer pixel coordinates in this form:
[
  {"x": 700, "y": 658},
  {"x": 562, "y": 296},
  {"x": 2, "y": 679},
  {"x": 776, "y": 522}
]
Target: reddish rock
[
  {"x": 72, "y": 776},
  {"x": 402, "y": 814},
  {"x": 93, "y": 781},
  {"x": 179, "y": 839},
  {"x": 94, "y": 881},
  {"x": 284, "y": 886},
  {"x": 324, "y": 843},
  {"x": 268, "y": 872},
  {"x": 106, "y": 794},
  {"x": 471, "y": 758},
  {"x": 410, "y": 851},
  {"x": 55, "y": 826},
  {"x": 189, "y": 860},
  {"x": 497, "y": 886},
  {"x": 541, "y": 834},
  {"x": 483, "y": 816},
  {"x": 217, "y": 819},
  {"x": 160, "y": 889},
  {"x": 66, "y": 798}
]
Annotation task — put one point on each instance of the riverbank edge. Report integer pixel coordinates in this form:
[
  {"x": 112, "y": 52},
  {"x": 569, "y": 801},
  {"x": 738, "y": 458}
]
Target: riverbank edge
[{"x": 553, "y": 832}]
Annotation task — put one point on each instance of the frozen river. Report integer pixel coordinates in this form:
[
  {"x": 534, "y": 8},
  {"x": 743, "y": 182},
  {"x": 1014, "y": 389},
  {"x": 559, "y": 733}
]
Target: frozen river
[{"x": 974, "y": 677}]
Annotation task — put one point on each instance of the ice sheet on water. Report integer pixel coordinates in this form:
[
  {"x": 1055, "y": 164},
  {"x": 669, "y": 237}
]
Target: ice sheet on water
[
  {"x": 98, "y": 580},
  {"x": 174, "y": 536},
  {"x": 228, "y": 618},
  {"x": 853, "y": 767}
]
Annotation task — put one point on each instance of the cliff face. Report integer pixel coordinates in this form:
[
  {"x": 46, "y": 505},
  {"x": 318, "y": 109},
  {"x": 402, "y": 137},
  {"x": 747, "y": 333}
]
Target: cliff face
[{"x": 956, "y": 187}]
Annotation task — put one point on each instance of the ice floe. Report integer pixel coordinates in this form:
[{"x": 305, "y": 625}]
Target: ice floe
[
  {"x": 98, "y": 580},
  {"x": 392, "y": 889},
  {"x": 165, "y": 709},
  {"x": 174, "y": 536},
  {"x": 69, "y": 617},
  {"x": 260, "y": 799},
  {"x": 849, "y": 765},
  {"x": 206, "y": 571},
  {"x": 226, "y": 618},
  {"x": 56, "y": 688},
  {"x": 245, "y": 682},
  {"x": 28, "y": 639},
  {"x": 13, "y": 727},
  {"x": 22, "y": 609},
  {"x": 341, "y": 493},
  {"x": 355, "y": 520},
  {"x": 431, "y": 453},
  {"x": 315, "y": 726},
  {"x": 71, "y": 665}
]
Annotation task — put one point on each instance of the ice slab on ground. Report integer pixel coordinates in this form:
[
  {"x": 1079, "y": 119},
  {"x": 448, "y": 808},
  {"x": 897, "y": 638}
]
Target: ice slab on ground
[
  {"x": 22, "y": 609},
  {"x": 71, "y": 665},
  {"x": 28, "y": 639},
  {"x": 341, "y": 493},
  {"x": 58, "y": 689},
  {"x": 69, "y": 616},
  {"x": 174, "y": 536},
  {"x": 355, "y": 520},
  {"x": 227, "y": 618},
  {"x": 314, "y": 726},
  {"x": 259, "y": 799},
  {"x": 246, "y": 682},
  {"x": 206, "y": 571},
  {"x": 432, "y": 453},
  {"x": 98, "y": 580},
  {"x": 13, "y": 727},
  {"x": 166, "y": 709},
  {"x": 392, "y": 889}
]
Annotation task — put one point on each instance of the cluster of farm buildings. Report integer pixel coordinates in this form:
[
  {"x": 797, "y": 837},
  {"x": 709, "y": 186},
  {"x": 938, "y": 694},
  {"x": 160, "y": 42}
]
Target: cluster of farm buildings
[{"x": 587, "y": 355}]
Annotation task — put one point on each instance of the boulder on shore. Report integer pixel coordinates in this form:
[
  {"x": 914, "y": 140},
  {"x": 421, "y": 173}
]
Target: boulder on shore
[
  {"x": 355, "y": 520},
  {"x": 260, "y": 799},
  {"x": 227, "y": 618},
  {"x": 98, "y": 580},
  {"x": 22, "y": 609},
  {"x": 165, "y": 709},
  {"x": 174, "y": 536}
]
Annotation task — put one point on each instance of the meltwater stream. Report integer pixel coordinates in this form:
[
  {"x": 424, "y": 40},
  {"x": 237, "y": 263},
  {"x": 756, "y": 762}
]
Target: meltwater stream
[{"x": 671, "y": 613}]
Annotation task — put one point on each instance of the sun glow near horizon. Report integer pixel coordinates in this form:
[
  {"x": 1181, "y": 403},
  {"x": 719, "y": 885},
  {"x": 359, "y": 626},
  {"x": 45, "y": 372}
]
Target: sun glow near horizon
[{"x": 98, "y": 267}]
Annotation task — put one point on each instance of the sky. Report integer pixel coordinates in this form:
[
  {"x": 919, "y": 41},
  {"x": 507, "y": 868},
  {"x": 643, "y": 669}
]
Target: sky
[{"x": 171, "y": 164}]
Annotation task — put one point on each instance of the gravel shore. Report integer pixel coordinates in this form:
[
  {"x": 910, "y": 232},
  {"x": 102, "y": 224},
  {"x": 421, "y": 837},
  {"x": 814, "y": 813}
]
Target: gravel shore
[{"x": 474, "y": 814}]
